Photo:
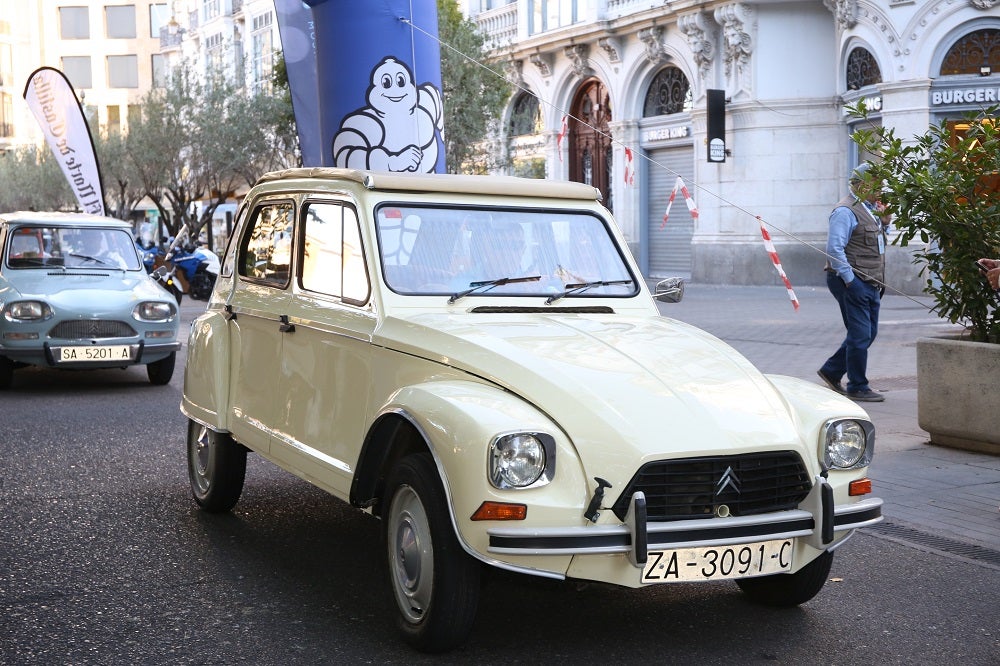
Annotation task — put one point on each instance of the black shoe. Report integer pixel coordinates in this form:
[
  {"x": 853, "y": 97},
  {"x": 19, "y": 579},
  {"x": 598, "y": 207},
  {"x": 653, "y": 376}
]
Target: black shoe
[
  {"x": 828, "y": 380},
  {"x": 867, "y": 395}
]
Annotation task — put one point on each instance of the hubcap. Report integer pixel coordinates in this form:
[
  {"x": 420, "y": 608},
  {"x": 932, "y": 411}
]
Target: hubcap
[{"x": 411, "y": 555}]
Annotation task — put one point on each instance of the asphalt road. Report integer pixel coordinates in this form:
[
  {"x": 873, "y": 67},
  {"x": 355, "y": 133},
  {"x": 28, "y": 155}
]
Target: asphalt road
[{"x": 105, "y": 559}]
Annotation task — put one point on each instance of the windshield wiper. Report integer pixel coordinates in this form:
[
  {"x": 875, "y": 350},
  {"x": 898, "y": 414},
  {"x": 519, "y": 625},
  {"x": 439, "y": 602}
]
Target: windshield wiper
[
  {"x": 87, "y": 257},
  {"x": 583, "y": 286},
  {"x": 486, "y": 285}
]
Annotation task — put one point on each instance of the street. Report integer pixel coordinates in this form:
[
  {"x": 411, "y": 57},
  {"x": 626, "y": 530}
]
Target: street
[{"x": 105, "y": 559}]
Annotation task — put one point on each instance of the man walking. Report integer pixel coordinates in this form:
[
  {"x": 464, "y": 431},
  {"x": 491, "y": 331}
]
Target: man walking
[{"x": 855, "y": 275}]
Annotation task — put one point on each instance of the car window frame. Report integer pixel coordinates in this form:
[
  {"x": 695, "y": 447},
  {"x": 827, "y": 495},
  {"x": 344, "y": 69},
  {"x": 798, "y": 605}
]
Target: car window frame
[
  {"x": 345, "y": 205},
  {"x": 247, "y": 231}
]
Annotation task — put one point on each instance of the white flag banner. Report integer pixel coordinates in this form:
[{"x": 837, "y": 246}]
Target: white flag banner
[{"x": 54, "y": 104}]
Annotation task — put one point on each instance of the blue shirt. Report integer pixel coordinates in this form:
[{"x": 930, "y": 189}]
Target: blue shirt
[{"x": 842, "y": 225}]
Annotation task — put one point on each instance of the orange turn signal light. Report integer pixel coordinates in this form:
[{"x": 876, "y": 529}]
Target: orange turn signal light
[
  {"x": 860, "y": 487},
  {"x": 500, "y": 511}
]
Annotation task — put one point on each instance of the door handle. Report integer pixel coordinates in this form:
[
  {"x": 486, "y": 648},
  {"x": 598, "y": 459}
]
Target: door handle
[{"x": 285, "y": 326}]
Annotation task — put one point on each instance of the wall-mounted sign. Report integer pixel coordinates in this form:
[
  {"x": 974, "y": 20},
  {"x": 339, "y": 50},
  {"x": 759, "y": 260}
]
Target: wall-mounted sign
[
  {"x": 665, "y": 133},
  {"x": 977, "y": 95}
]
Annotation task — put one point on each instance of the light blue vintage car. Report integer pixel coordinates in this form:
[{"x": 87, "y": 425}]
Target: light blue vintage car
[{"x": 75, "y": 295}]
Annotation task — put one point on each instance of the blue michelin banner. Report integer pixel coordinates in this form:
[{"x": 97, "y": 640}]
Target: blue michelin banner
[{"x": 378, "y": 84}]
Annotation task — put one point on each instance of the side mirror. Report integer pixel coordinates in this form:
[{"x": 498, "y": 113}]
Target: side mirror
[
  {"x": 161, "y": 271},
  {"x": 670, "y": 290}
]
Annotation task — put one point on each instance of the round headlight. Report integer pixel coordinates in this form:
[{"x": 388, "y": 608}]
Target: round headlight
[
  {"x": 153, "y": 311},
  {"x": 516, "y": 460},
  {"x": 27, "y": 311},
  {"x": 846, "y": 443}
]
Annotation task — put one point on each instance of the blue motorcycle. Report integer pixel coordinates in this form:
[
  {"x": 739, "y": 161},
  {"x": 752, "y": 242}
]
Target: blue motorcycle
[{"x": 185, "y": 269}]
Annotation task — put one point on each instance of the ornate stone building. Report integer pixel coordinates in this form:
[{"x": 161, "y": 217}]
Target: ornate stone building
[{"x": 631, "y": 76}]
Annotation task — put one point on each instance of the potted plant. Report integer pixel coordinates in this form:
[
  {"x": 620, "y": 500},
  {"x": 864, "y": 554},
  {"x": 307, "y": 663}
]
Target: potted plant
[{"x": 943, "y": 188}]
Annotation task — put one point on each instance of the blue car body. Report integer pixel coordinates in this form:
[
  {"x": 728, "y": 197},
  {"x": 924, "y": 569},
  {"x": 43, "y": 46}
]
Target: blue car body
[{"x": 74, "y": 294}]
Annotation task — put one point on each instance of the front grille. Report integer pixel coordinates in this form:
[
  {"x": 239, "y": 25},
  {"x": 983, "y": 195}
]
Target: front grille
[
  {"x": 693, "y": 487},
  {"x": 91, "y": 329}
]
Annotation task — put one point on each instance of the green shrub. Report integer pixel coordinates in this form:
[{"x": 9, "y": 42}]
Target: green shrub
[{"x": 942, "y": 188}]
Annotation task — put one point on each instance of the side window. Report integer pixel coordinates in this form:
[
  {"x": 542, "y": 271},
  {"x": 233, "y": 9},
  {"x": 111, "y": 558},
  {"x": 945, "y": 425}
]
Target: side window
[
  {"x": 266, "y": 249},
  {"x": 332, "y": 255}
]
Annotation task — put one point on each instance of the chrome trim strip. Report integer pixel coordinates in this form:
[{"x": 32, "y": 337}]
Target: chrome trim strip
[{"x": 604, "y": 539}]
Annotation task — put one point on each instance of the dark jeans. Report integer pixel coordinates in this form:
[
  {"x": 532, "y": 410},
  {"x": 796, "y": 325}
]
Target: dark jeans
[{"x": 859, "y": 304}]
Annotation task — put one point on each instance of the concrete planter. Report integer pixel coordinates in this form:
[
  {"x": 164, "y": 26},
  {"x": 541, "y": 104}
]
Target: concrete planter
[{"x": 957, "y": 400}]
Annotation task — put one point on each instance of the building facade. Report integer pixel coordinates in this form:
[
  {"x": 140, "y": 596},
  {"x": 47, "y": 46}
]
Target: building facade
[
  {"x": 109, "y": 50},
  {"x": 633, "y": 76}
]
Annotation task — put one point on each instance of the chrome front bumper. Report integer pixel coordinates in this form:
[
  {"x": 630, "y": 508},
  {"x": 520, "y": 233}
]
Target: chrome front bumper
[{"x": 818, "y": 522}]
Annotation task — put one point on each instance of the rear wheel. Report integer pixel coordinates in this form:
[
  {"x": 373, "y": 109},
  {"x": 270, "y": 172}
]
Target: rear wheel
[
  {"x": 787, "y": 590},
  {"x": 217, "y": 467},
  {"x": 6, "y": 372},
  {"x": 160, "y": 372},
  {"x": 434, "y": 582}
]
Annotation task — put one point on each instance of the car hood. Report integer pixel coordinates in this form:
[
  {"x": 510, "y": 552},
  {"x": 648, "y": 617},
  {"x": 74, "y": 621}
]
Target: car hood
[
  {"x": 92, "y": 291},
  {"x": 651, "y": 385}
]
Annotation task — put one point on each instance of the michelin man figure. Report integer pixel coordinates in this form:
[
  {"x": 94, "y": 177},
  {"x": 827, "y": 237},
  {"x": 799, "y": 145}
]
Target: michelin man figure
[{"x": 399, "y": 129}]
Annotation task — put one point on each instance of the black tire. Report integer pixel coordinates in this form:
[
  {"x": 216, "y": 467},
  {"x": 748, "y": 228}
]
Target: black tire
[
  {"x": 787, "y": 590},
  {"x": 6, "y": 372},
  {"x": 217, "y": 467},
  {"x": 434, "y": 583},
  {"x": 201, "y": 286},
  {"x": 160, "y": 372}
]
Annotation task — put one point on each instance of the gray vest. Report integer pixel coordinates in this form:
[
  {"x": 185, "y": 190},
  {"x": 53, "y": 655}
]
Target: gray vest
[{"x": 862, "y": 248}]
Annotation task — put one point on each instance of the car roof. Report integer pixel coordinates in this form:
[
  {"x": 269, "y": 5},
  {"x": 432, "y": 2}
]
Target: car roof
[
  {"x": 56, "y": 218},
  {"x": 439, "y": 182}
]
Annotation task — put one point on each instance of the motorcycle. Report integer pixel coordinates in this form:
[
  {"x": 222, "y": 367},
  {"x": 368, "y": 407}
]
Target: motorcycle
[{"x": 186, "y": 269}]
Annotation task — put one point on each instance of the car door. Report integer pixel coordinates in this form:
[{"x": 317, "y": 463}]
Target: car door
[
  {"x": 325, "y": 373},
  {"x": 257, "y": 305}
]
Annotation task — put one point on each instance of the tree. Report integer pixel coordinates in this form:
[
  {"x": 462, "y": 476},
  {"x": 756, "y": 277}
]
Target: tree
[
  {"x": 942, "y": 188},
  {"x": 201, "y": 142},
  {"x": 32, "y": 180},
  {"x": 474, "y": 94},
  {"x": 122, "y": 191}
]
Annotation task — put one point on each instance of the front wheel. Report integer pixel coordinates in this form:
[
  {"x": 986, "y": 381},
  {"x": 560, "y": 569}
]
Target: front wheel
[
  {"x": 160, "y": 372},
  {"x": 787, "y": 590},
  {"x": 434, "y": 582},
  {"x": 217, "y": 467}
]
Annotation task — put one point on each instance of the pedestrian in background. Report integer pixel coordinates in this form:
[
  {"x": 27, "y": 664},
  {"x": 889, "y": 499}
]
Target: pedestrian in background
[{"x": 855, "y": 275}]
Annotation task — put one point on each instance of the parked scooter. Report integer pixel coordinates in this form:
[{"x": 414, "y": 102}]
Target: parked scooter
[{"x": 185, "y": 269}]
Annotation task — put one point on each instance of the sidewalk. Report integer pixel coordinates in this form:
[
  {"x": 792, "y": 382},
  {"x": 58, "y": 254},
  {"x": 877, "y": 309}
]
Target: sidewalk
[{"x": 937, "y": 497}]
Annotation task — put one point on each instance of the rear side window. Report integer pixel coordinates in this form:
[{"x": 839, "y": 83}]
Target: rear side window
[
  {"x": 332, "y": 255},
  {"x": 265, "y": 253}
]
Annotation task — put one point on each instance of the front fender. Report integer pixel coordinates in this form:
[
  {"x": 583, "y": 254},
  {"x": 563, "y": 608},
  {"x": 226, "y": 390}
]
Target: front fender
[
  {"x": 811, "y": 407},
  {"x": 206, "y": 373},
  {"x": 458, "y": 419}
]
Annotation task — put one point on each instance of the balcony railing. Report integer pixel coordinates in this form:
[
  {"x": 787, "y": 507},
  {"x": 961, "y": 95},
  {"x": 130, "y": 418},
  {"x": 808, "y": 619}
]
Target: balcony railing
[{"x": 498, "y": 26}]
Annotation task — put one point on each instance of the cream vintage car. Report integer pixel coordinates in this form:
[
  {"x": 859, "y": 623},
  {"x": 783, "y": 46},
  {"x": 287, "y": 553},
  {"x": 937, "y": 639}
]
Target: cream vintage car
[{"x": 477, "y": 362}]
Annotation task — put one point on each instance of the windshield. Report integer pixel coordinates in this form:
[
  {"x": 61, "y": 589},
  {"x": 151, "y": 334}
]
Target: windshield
[
  {"x": 70, "y": 247},
  {"x": 456, "y": 252}
]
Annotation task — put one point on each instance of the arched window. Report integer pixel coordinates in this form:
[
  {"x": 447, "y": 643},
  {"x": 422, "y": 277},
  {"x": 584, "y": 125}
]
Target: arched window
[
  {"x": 973, "y": 52},
  {"x": 862, "y": 69},
  {"x": 526, "y": 116},
  {"x": 669, "y": 93}
]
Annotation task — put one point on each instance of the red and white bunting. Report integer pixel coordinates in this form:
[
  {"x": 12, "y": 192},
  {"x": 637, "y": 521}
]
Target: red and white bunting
[
  {"x": 629, "y": 167},
  {"x": 769, "y": 246},
  {"x": 679, "y": 185},
  {"x": 562, "y": 134}
]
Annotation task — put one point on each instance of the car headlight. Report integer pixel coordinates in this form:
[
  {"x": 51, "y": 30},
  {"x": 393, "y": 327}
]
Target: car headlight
[
  {"x": 521, "y": 459},
  {"x": 153, "y": 311},
  {"x": 27, "y": 311},
  {"x": 848, "y": 443}
]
